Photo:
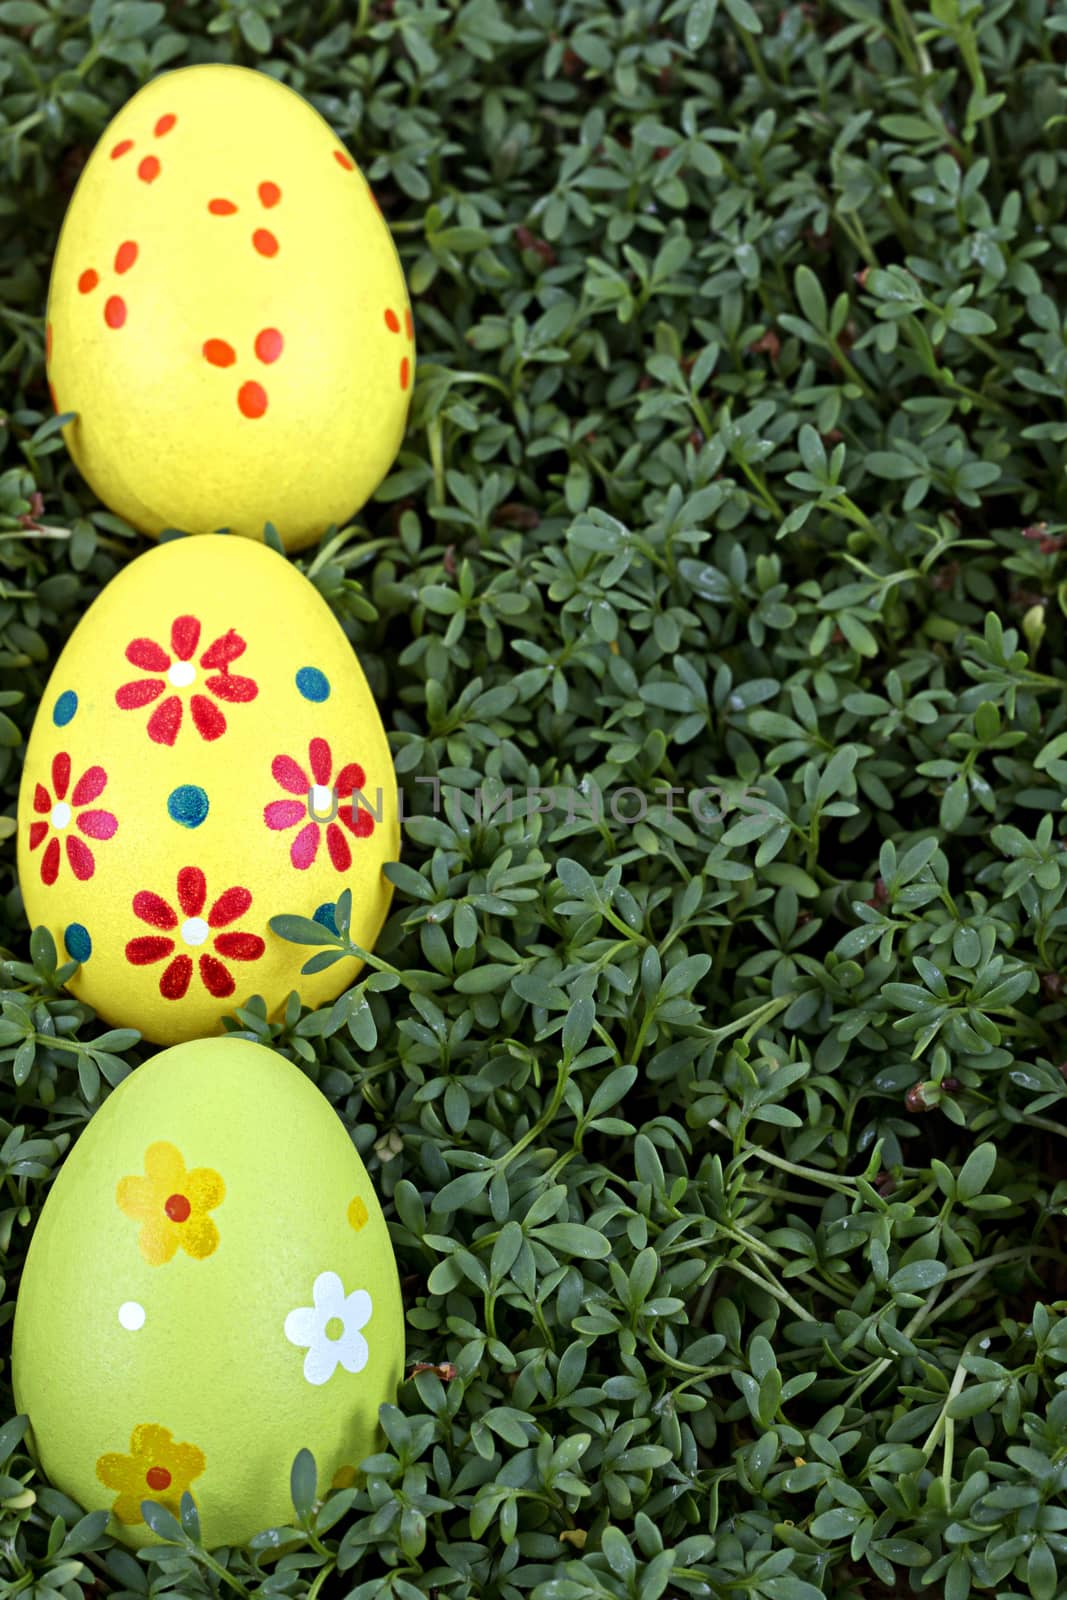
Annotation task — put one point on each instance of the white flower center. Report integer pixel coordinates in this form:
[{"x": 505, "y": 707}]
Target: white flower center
[
  {"x": 60, "y": 814},
  {"x": 181, "y": 674},
  {"x": 131, "y": 1315},
  {"x": 321, "y": 800},
  {"x": 195, "y": 931}
]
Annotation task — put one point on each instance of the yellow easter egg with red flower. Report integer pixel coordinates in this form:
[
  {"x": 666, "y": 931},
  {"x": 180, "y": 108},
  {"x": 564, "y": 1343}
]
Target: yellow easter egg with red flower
[
  {"x": 210, "y": 1289},
  {"x": 207, "y": 756},
  {"x": 227, "y": 316}
]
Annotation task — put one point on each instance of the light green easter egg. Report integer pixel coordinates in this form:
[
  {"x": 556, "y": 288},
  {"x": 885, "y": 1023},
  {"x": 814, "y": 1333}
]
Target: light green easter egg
[{"x": 210, "y": 1288}]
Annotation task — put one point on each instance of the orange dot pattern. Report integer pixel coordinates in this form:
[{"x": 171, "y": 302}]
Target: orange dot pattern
[
  {"x": 252, "y": 397},
  {"x": 392, "y": 322},
  {"x": 269, "y": 343},
  {"x": 149, "y": 167},
  {"x": 114, "y": 306},
  {"x": 252, "y": 400},
  {"x": 264, "y": 242}
]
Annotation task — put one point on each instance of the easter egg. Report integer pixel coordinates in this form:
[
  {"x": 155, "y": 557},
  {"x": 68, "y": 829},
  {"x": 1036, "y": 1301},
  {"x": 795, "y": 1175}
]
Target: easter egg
[
  {"x": 210, "y": 1288},
  {"x": 227, "y": 315},
  {"x": 207, "y": 756}
]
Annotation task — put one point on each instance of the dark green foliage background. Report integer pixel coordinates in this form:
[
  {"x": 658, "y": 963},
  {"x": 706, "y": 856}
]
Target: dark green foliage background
[{"x": 724, "y": 1152}]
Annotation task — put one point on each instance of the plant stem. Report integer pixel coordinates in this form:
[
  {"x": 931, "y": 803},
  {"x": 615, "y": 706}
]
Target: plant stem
[
  {"x": 811, "y": 1174},
  {"x": 563, "y": 1074},
  {"x": 732, "y": 1264},
  {"x": 320, "y": 1579}
]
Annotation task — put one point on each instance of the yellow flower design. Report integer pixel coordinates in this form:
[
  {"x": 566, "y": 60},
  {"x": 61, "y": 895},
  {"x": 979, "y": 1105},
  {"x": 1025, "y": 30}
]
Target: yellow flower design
[
  {"x": 358, "y": 1215},
  {"x": 172, "y": 1205},
  {"x": 155, "y": 1469}
]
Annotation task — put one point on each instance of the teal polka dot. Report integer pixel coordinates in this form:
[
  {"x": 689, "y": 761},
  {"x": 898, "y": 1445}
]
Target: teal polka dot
[
  {"x": 313, "y": 684},
  {"x": 64, "y": 709},
  {"x": 188, "y": 804},
  {"x": 326, "y": 916},
  {"x": 77, "y": 940}
]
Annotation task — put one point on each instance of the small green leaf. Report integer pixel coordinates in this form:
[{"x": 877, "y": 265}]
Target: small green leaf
[
  {"x": 162, "y": 1523},
  {"x": 976, "y": 1171},
  {"x": 574, "y": 1239},
  {"x": 301, "y": 930},
  {"x": 303, "y": 1483},
  {"x": 918, "y": 1277}
]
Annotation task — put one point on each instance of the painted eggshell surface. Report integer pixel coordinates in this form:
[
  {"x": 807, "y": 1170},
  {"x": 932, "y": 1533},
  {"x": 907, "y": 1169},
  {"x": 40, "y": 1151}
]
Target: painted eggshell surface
[
  {"x": 207, "y": 755},
  {"x": 227, "y": 314},
  {"x": 210, "y": 1288}
]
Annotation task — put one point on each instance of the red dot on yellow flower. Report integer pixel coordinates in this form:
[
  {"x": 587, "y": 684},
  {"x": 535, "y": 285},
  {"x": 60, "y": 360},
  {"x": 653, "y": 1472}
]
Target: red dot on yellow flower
[
  {"x": 177, "y": 1209},
  {"x": 392, "y": 321},
  {"x": 157, "y": 1478}
]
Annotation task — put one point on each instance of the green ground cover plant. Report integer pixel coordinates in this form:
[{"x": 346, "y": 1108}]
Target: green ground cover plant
[{"x": 722, "y": 1136}]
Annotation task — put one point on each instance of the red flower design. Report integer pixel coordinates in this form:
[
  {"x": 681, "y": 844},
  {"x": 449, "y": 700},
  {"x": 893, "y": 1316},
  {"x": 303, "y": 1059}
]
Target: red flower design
[
  {"x": 60, "y": 812},
  {"x": 193, "y": 930},
  {"x": 165, "y": 722},
  {"x": 318, "y": 796}
]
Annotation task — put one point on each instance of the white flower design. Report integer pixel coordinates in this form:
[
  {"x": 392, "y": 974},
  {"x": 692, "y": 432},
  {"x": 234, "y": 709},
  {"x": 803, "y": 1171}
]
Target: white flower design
[{"x": 326, "y": 1347}]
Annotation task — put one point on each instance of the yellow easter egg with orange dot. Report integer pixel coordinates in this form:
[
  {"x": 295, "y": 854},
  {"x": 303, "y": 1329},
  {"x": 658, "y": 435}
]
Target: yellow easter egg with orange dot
[
  {"x": 197, "y": 1303},
  {"x": 207, "y": 757},
  {"x": 227, "y": 316}
]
